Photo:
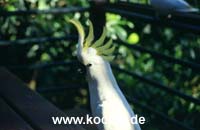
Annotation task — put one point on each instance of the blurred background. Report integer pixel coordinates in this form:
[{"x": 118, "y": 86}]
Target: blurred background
[{"x": 40, "y": 48}]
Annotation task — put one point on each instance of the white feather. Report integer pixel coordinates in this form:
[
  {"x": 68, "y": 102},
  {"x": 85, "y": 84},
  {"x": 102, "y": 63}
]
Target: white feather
[{"x": 107, "y": 99}]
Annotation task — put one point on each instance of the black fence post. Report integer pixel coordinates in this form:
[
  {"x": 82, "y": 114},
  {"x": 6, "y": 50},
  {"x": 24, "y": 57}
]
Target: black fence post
[{"x": 97, "y": 16}]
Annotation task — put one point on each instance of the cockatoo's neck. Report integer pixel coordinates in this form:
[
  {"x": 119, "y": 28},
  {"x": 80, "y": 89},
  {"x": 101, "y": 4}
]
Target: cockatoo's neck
[
  {"x": 102, "y": 84},
  {"x": 105, "y": 95},
  {"x": 102, "y": 75}
]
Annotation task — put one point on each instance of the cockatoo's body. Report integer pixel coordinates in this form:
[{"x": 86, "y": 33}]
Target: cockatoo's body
[
  {"x": 107, "y": 101},
  {"x": 172, "y": 6}
]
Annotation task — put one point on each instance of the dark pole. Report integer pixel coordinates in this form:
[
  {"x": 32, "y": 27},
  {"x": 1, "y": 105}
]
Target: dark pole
[{"x": 97, "y": 16}]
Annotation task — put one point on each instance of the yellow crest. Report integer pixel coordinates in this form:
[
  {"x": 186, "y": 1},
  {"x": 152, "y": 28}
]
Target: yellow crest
[{"x": 104, "y": 50}]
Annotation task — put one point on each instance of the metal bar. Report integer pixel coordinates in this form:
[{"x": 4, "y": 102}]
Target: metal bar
[
  {"x": 97, "y": 10},
  {"x": 60, "y": 88},
  {"x": 50, "y": 11},
  {"x": 37, "y": 40},
  {"x": 161, "y": 56},
  {"x": 43, "y": 65}
]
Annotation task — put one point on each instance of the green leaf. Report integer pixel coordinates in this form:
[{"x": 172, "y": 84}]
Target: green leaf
[
  {"x": 45, "y": 57},
  {"x": 133, "y": 38}
]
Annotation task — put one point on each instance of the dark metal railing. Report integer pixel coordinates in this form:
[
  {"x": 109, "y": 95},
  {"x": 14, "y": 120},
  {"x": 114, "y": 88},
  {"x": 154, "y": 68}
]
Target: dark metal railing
[
  {"x": 182, "y": 21},
  {"x": 38, "y": 40},
  {"x": 154, "y": 54},
  {"x": 160, "y": 56},
  {"x": 132, "y": 74},
  {"x": 50, "y": 11}
]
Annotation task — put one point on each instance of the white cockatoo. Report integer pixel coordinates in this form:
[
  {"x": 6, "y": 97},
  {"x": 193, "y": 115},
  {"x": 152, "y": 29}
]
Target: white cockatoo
[
  {"x": 107, "y": 101},
  {"x": 172, "y": 6}
]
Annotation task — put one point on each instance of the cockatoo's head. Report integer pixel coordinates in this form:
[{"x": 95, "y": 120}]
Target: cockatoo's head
[{"x": 90, "y": 52}]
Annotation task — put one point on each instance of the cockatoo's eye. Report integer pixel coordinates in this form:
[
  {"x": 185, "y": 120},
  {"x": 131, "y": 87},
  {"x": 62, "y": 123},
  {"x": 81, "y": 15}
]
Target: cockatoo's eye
[{"x": 89, "y": 65}]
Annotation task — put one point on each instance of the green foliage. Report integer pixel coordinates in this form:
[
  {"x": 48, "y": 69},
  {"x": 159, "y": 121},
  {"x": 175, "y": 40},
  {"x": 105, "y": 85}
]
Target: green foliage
[
  {"x": 169, "y": 41},
  {"x": 181, "y": 45},
  {"x": 164, "y": 40}
]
